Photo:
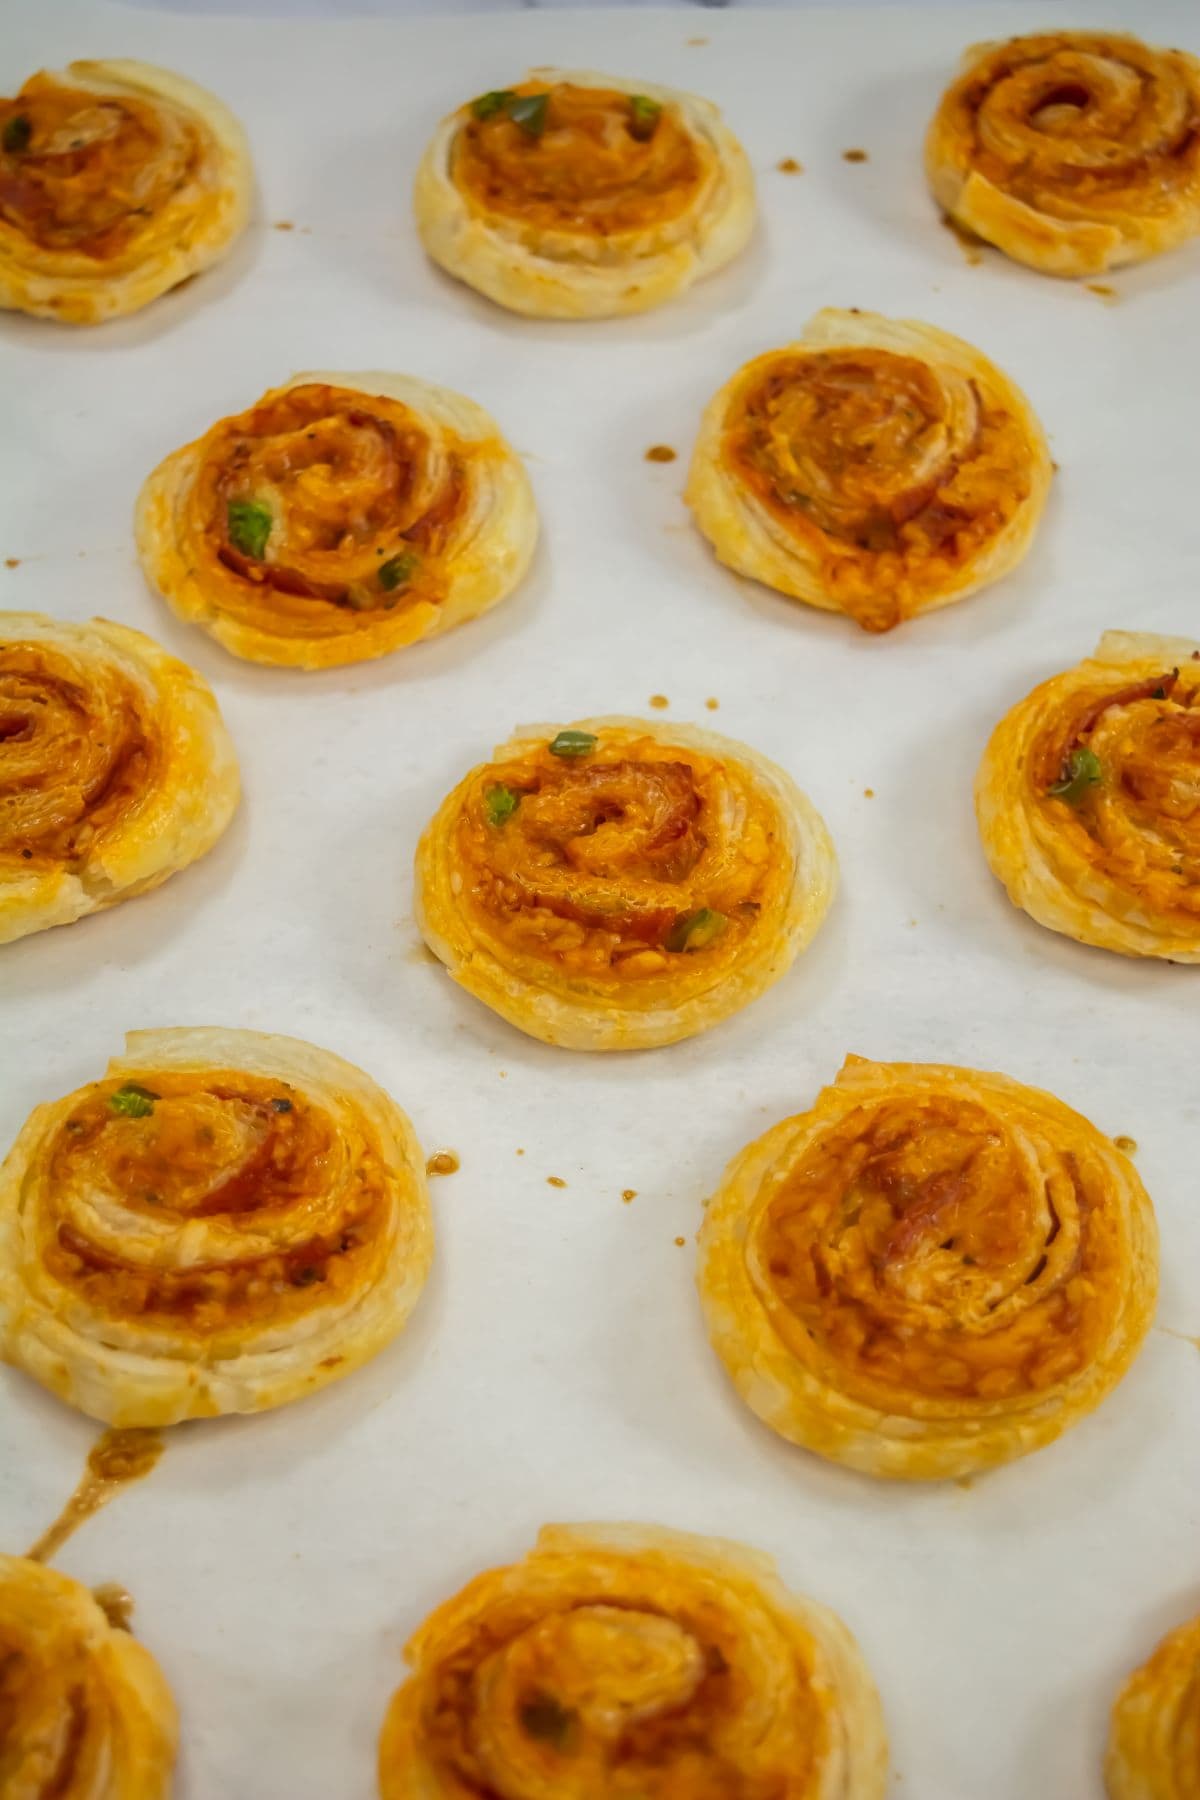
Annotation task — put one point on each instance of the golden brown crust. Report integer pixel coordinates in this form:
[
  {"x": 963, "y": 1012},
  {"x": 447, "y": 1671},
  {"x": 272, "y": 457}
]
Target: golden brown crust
[
  {"x": 620, "y": 196},
  {"x": 118, "y": 180},
  {"x": 1072, "y": 151},
  {"x": 1154, "y": 1738},
  {"x": 1111, "y": 857},
  {"x": 932, "y": 1272},
  {"x": 628, "y": 896},
  {"x": 85, "y": 1711},
  {"x": 877, "y": 467},
  {"x": 115, "y": 769},
  {"x": 628, "y": 1659},
  {"x": 390, "y": 510},
  {"x": 225, "y": 1222}
]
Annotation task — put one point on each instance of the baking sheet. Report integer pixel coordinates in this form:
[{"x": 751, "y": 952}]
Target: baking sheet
[{"x": 557, "y": 1367}]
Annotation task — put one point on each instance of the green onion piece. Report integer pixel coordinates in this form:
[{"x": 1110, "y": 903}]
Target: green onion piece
[
  {"x": 17, "y": 132},
  {"x": 501, "y": 804},
  {"x": 645, "y": 116},
  {"x": 573, "y": 743},
  {"x": 543, "y": 1718},
  {"x": 696, "y": 931},
  {"x": 281, "y": 1106},
  {"x": 133, "y": 1101},
  {"x": 1081, "y": 771},
  {"x": 529, "y": 112},
  {"x": 249, "y": 526},
  {"x": 306, "y": 1276},
  {"x": 397, "y": 569},
  {"x": 494, "y": 102}
]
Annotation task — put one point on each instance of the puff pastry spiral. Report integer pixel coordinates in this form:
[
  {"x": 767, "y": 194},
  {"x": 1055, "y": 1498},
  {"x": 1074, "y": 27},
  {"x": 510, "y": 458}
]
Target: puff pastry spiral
[
  {"x": 117, "y": 181},
  {"x": 579, "y": 196},
  {"x": 877, "y": 467},
  {"x": 631, "y": 1660},
  {"x": 225, "y": 1222},
  {"x": 341, "y": 518},
  {"x": 620, "y": 884},
  {"x": 1088, "y": 799},
  {"x": 115, "y": 769},
  {"x": 1072, "y": 151},
  {"x": 85, "y": 1711},
  {"x": 1154, "y": 1741},
  {"x": 932, "y": 1272}
]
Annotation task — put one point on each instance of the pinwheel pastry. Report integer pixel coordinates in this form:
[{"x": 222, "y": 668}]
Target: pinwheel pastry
[
  {"x": 619, "y": 884},
  {"x": 117, "y": 181},
  {"x": 878, "y": 467},
  {"x": 85, "y": 1711},
  {"x": 1154, "y": 1743},
  {"x": 1088, "y": 799},
  {"x": 931, "y": 1272},
  {"x": 224, "y": 1222},
  {"x": 631, "y": 1660},
  {"x": 579, "y": 196},
  {"x": 341, "y": 518},
  {"x": 1072, "y": 151},
  {"x": 115, "y": 769}
]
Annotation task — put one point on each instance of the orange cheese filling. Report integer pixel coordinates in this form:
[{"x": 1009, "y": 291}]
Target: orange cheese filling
[
  {"x": 74, "y": 758},
  {"x": 1080, "y": 122},
  {"x": 604, "y": 859},
  {"x": 588, "y": 172},
  {"x": 611, "y": 1681},
  {"x": 87, "y": 173},
  {"x": 357, "y": 505},
  {"x": 923, "y": 1252},
  {"x": 894, "y": 479},
  {"x": 1138, "y": 823},
  {"x": 227, "y": 1203}
]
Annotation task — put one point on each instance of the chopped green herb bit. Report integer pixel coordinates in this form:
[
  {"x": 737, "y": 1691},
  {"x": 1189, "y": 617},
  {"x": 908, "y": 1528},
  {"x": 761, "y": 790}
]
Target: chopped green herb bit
[
  {"x": 249, "y": 524},
  {"x": 695, "y": 931},
  {"x": 306, "y": 1276},
  {"x": 17, "y": 133},
  {"x": 501, "y": 804},
  {"x": 281, "y": 1106},
  {"x": 489, "y": 104},
  {"x": 397, "y": 569},
  {"x": 543, "y": 1718},
  {"x": 133, "y": 1101},
  {"x": 1081, "y": 771},
  {"x": 529, "y": 112},
  {"x": 573, "y": 743},
  {"x": 645, "y": 115}
]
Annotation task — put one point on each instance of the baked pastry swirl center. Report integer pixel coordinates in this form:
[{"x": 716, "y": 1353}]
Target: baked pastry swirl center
[
  {"x": 1087, "y": 112},
  {"x": 865, "y": 445},
  {"x": 83, "y": 172},
  {"x": 74, "y": 755},
  {"x": 1088, "y": 798},
  {"x": 931, "y": 1253},
  {"x": 591, "y": 169},
  {"x": 318, "y": 496},
  {"x": 624, "y": 850},
  {"x": 220, "y": 1204},
  {"x": 1138, "y": 822}
]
